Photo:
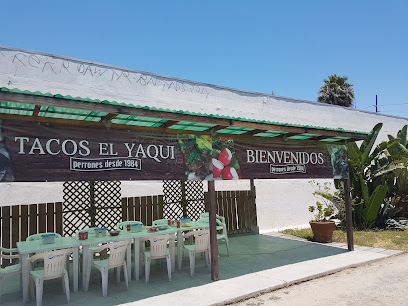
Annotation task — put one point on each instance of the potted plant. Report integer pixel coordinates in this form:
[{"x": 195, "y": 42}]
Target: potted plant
[{"x": 324, "y": 210}]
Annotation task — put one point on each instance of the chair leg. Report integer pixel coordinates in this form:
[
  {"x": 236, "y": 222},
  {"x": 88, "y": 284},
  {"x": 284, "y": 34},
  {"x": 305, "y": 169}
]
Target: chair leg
[
  {"x": 21, "y": 282},
  {"x": 67, "y": 263},
  {"x": 63, "y": 285},
  {"x": 66, "y": 286},
  {"x": 117, "y": 274},
  {"x": 39, "y": 282},
  {"x": 226, "y": 241},
  {"x": 31, "y": 287},
  {"x": 88, "y": 273},
  {"x": 205, "y": 258},
  {"x": 169, "y": 266},
  {"x": 125, "y": 274},
  {"x": 147, "y": 269},
  {"x": 180, "y": 258},
  {"x": 104, "y": 273},
  {"x": 192, "y": 262}
]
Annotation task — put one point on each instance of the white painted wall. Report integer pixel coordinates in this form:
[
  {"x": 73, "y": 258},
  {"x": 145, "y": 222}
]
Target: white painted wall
[{"x": 280, "y": 203}]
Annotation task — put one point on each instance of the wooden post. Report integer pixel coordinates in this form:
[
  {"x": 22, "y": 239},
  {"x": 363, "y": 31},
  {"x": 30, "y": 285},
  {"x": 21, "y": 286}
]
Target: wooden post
[
  {"x": 253, "y": 218},
  {"x": 184, "y": 198},
  {"x": 349, "y": 214},
  {"x": 213, "y": 231},
  {"x": 92, "y": 206}
]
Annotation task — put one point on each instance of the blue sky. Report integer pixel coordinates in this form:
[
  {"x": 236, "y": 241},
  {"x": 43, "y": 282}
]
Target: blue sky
[{"x": 285, "y": 47}]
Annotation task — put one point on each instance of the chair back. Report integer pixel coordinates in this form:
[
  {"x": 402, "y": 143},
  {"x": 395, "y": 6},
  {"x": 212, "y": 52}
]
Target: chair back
[
  {"x": 122, "y": 226},
  {"x": 220, "y": 218},
  {"x": 54, "y": 263},
  {"x": 202, "y": 240},
  {"x": 159, "y": 222},
  {"x": 39, "y": 236},
  {"x": 10, "y": 254},
  {"x": 221, "y": 222},
  {"x": 158, "y": 245},
  {"x": 203, "y": 220},
  {"x": 204, "y": 215},
  {"x": 117, "y": 253}
]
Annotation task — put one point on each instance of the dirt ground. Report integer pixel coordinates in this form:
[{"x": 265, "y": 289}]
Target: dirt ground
[{"x": 384, "y": 282}]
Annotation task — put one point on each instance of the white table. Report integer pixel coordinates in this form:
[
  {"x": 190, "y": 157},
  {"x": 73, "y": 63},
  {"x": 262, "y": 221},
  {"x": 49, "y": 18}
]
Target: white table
[
  {"x": 92, "y": 240},
  {"x": 26, "y": 248}
]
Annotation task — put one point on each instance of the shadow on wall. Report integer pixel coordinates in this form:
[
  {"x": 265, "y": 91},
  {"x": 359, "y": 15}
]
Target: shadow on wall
[{"x": 284, "y": 203}]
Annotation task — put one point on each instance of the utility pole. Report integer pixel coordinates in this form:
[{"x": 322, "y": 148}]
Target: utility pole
[{"x": 376, "y": 105}]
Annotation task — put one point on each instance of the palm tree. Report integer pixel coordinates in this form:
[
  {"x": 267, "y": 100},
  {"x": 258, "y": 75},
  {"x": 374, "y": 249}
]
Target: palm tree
[{"x": 336, "y": 91}]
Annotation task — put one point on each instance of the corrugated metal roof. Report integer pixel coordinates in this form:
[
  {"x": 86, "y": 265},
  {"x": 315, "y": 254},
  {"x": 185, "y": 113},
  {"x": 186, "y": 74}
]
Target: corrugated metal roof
[{"x": 75, "y": 114}]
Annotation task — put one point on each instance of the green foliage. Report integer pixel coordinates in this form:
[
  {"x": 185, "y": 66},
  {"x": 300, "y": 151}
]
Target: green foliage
[
  {"x": 373, "y": 203},
  {"x": 204, "y": 143},
  {"x": 196, "y": 151},
  {"x": 388, "y": 210},
  {"x": 374, "y": 173},
  {"x": 336, "y": 91},
  {"x": 329, "y": 204}
]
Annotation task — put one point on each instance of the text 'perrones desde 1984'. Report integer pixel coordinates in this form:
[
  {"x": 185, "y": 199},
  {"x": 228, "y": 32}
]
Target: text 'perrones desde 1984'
[{"x": 103, "y": 164}]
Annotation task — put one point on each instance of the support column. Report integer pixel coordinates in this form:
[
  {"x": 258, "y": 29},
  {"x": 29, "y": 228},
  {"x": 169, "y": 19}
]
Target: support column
[
  {"x": 184, "y": 199},
  {"x": 349, "y": 215},
  {"x": 92, "y": 205},
  {"x": 213, "y": 231},
  {"x": 253, "y": 213}
]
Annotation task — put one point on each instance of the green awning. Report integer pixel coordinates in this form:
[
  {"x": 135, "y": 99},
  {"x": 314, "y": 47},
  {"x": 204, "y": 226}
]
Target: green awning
[{"x": 24, "y": 109}]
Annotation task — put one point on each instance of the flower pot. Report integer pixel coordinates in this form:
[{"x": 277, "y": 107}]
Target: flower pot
[{"x": 322, "y": 231}]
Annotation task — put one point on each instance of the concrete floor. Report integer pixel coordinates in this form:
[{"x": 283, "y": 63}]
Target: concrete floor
[{"x": 251, "y": 256}]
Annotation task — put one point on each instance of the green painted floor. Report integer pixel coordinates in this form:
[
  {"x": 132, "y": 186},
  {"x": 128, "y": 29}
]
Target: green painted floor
[{"x": 248, "y": 254}]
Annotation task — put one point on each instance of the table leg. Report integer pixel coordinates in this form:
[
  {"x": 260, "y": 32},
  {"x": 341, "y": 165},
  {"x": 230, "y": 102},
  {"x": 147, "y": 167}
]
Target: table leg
[
  {"x": 129, "y": 261},
  {"x": 136, "y": 250},
  {"x": 75, "y": 268},
  {"x": 180, "y": 245},
  {"x": 25, "y": 276},
  {"x": 173, "y": 254},
  {"x": 85, "y": 259}
]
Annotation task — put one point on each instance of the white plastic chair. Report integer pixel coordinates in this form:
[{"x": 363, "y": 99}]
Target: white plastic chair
[
  {"x": 204, "y": 218},
  {"x": 92, "y": 248},
  {"x": 201, "y": 245},
  {"x": 39, "y": 237},
  {"x": 159, "y": 222},
  {"x": 222, "y": 226},
  {"x": 122, "y": 226},
  {"x": 11, "y": 270},
  {"x": 54, "y": 267},
  {"x": 117, "y": 252},
  {"x": 205, "y": 215},
  {"x": 158, "y": 249}
]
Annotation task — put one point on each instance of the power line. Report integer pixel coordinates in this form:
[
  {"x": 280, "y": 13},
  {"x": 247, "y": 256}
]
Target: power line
[
  {"x": 393, "y": 104},
  {"x": 391, "y": 112}
]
